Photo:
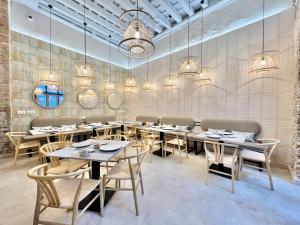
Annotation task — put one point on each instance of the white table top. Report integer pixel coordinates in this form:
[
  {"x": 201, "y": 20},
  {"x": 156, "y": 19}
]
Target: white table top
[{"x": 96, "y": 155}]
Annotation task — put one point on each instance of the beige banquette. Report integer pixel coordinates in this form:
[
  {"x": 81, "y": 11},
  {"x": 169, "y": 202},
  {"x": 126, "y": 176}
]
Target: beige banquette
[
  {"x": 145, "y": 119},
  {"x": 55, "y": 121},
  {"x": 98, "y": 119},
  {"x": 181, "y": 121},
  {"x": 229, "y": 124}
]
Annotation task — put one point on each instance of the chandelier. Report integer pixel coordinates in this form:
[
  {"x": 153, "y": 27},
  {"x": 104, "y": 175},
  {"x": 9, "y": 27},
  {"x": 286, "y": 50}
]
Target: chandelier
[
  {"x": 264, "y": 62},
  {"x": 137, "y": 38},
  {"x": 148, "y": 86},
  {"x": 49, "y": 76},
  {"x": 85, "y": 76},
  {"x": 109, "y": 86},
  {"x": 188, "y": 66},
  {"x": 203, "y": 76},
  {"x": 170, "y": 81}
]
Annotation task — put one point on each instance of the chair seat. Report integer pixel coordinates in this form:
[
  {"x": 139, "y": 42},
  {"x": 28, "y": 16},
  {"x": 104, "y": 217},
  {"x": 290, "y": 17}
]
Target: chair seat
[
  {"x": 227, "y": 159},
  {"x": 253, "y": 155},
  {"x": 30, "y": 144},
  {"x": 175, "y": 142},
  {"x": 121, "y": 171},
  {"x": 66, "y": 189},
  {"x": 67, "y": 166}
]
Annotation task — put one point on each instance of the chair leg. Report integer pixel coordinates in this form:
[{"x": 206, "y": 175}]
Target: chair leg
[
  {"x": 75, "y": 215},
  {"x": 270, "y": 175},
  {"x": 15, "y": 158},
  {"x": 103, "y": 187},
  {"x": 37, "y": 209},
  {"x": 232, "y": 179},
  {"x": 101, "y": 199},
  {"x": 135, "y": 196},
  {"x": 179, "y": 149},
  {"x": 141, "y": 181},
  {"x": 206, "y": 172},
  {"x": 187, "y": 154}
]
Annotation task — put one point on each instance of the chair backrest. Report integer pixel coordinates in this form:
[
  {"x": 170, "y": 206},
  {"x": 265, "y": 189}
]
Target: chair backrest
[
  {"x": 270, "y": 145},
  {"x": 139, "y": 157},
  {"x": 182, "y": 136},
  {"x": 106, "y": 131},
  {"x": 15, "y": 137},
  {"x": 118, "y": 137},
  {"x": 65, "y": 136},
  {"x": 46, "y": 185},
  {"x": 145, "y": 137},
  {"x": 218, "y": 150},
  {"x": 51, "y": 147}
]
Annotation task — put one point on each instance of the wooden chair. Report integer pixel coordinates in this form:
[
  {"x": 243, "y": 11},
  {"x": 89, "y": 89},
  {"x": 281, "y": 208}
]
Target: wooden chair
[
  {"x": 22, "y": 146},
  {"x": 63, "y": 136},
  {"x": 217, "y": 155},
  {"x": 131, "y": 132},
  {"x": 103, "y": 134},
  {"x": 60, "y": 166},
  {"x": 63, "y": 192},
  {"x": 262, "y": 157},
  {"x": 127, "y": 169},
  {"x": 179, "y": 143},
  {"x": 149, "y": 142}
]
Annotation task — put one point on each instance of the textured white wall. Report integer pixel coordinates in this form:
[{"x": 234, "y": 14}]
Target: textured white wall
[{"x": 233, "y": 92}]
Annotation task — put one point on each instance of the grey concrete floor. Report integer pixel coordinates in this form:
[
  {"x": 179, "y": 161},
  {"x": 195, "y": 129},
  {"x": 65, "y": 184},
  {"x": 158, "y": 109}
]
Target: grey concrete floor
[{"x": 175, "y": 194}]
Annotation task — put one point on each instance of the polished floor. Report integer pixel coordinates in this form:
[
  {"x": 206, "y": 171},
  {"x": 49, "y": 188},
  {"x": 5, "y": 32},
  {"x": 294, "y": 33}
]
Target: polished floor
[{"x": 174, "y": 194}]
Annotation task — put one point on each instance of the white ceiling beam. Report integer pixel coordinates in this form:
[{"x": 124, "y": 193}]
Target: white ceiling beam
[
  {"x": 127, "y": 5},
  {"x": 185, "y": 5},
  {"x": 78, "y": 18},
  {"x": 152, "y": 10},
  {"x": 171, "y": 10},
  {"x": 92, "y": 16},
  {"x": 111, "y": 6}
]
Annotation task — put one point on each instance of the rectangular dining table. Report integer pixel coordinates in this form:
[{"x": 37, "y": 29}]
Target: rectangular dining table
[{"x": 96, "y": 157}]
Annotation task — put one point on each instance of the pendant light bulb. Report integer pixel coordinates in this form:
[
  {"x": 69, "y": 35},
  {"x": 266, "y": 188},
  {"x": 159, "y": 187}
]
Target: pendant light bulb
[{"x": 137, "y": 34}]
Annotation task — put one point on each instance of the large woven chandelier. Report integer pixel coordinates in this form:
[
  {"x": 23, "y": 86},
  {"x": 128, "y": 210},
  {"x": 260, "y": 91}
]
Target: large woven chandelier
[
  {"x": 85, "y": 75},
  {"x": 188, "y": 66},
  {"x": 264, "y": 62},
  {"x": 137, "y": 38},
  {"x": 203, "y": 77}
]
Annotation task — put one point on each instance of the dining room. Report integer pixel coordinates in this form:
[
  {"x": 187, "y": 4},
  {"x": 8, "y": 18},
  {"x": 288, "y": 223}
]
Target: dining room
[{"x": 149, "y": 112}]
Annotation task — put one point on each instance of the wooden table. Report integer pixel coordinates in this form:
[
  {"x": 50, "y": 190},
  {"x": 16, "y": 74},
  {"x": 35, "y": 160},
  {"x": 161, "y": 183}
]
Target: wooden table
[{"x": 96, "y": 158}]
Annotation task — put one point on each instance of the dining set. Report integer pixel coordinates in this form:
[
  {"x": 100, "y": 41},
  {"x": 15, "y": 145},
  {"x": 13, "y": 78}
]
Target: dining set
[{"x": 84, "y": 175}]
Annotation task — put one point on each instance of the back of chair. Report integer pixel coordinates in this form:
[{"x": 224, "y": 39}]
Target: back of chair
[
  {"x": 269, "y": 144},
  {"x": 107, "y": 131},
  {"x": 218, "y": 150},
  {"x": 65, "y": 136},
  {"x": 144, "y": 137},
  {"x": 182, "y": 136},
  {"x": 118, "y": 137},
  {"x": 46, "y": 184},
  {"x": 15, "y": 137},
  {"x": 139, "y": 157},
  {"x": 51, "y": 147}
]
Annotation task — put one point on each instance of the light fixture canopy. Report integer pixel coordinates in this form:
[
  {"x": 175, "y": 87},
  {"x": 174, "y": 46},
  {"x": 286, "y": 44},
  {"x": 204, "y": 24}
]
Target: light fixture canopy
[
  {"x": 264, "y": 62},
  {"x": 188, "y": 67},
  {"x": 139, "y": 30}
]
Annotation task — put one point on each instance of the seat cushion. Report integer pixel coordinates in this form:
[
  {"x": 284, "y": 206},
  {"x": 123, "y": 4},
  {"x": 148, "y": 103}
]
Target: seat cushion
[
  {"x": 175, "y": 142},
  {"x": 253, "y": 155},
  {"x": 121, "y": 171},
  {"x": 30, "y": 144},
  {"x": 67, "y": 166},
  {"x": 66, "y": 189}
]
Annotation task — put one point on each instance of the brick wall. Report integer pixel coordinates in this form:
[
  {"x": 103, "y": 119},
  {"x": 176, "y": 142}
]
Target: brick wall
[{"x": 4, "y": 76}]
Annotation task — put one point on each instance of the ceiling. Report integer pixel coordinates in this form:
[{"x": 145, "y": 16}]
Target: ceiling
[{"x": 221, "y": 16}]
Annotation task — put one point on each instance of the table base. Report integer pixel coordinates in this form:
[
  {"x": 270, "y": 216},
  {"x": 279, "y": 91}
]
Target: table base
[
  {"x": 160, "y": 153},
  {"x": 220, "y": 168},
  {"x": 95, "y": 206}
]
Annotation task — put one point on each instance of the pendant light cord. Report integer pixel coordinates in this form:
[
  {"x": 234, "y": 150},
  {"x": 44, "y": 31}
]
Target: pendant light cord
[
  {"x": 189, "y": 32},
  {"x": 201, "y": 46},
  {"x": 109, "y": 59},
  {"x": 170, "y": 48},
  {"x": 263, "y": 29},
  {"x": 84, "y": 24},
  {"x": 148, "y": 70},
  {"x": 50, "y": 36}
]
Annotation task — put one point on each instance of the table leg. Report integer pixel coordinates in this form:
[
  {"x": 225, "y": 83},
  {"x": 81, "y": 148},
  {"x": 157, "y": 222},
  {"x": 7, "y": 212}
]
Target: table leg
[
  {"x": 160, "y": 151},
  {"x": 108, "y": 194}
]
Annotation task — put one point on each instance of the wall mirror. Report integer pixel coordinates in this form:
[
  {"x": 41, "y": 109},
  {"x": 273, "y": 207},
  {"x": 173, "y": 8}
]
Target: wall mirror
[
  {"x": 114, "y": 100},
  {"x": 48, "y": 96},
  {"x": 87, "y": 99}
]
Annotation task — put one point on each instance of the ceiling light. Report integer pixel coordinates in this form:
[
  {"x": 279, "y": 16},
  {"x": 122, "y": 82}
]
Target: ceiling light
[
  {"x": 148, "y": 84},
  {"x": 130, "y": 83},
  {"x": 137, "y": 38},
  {"x": 265, "y": 62}
]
